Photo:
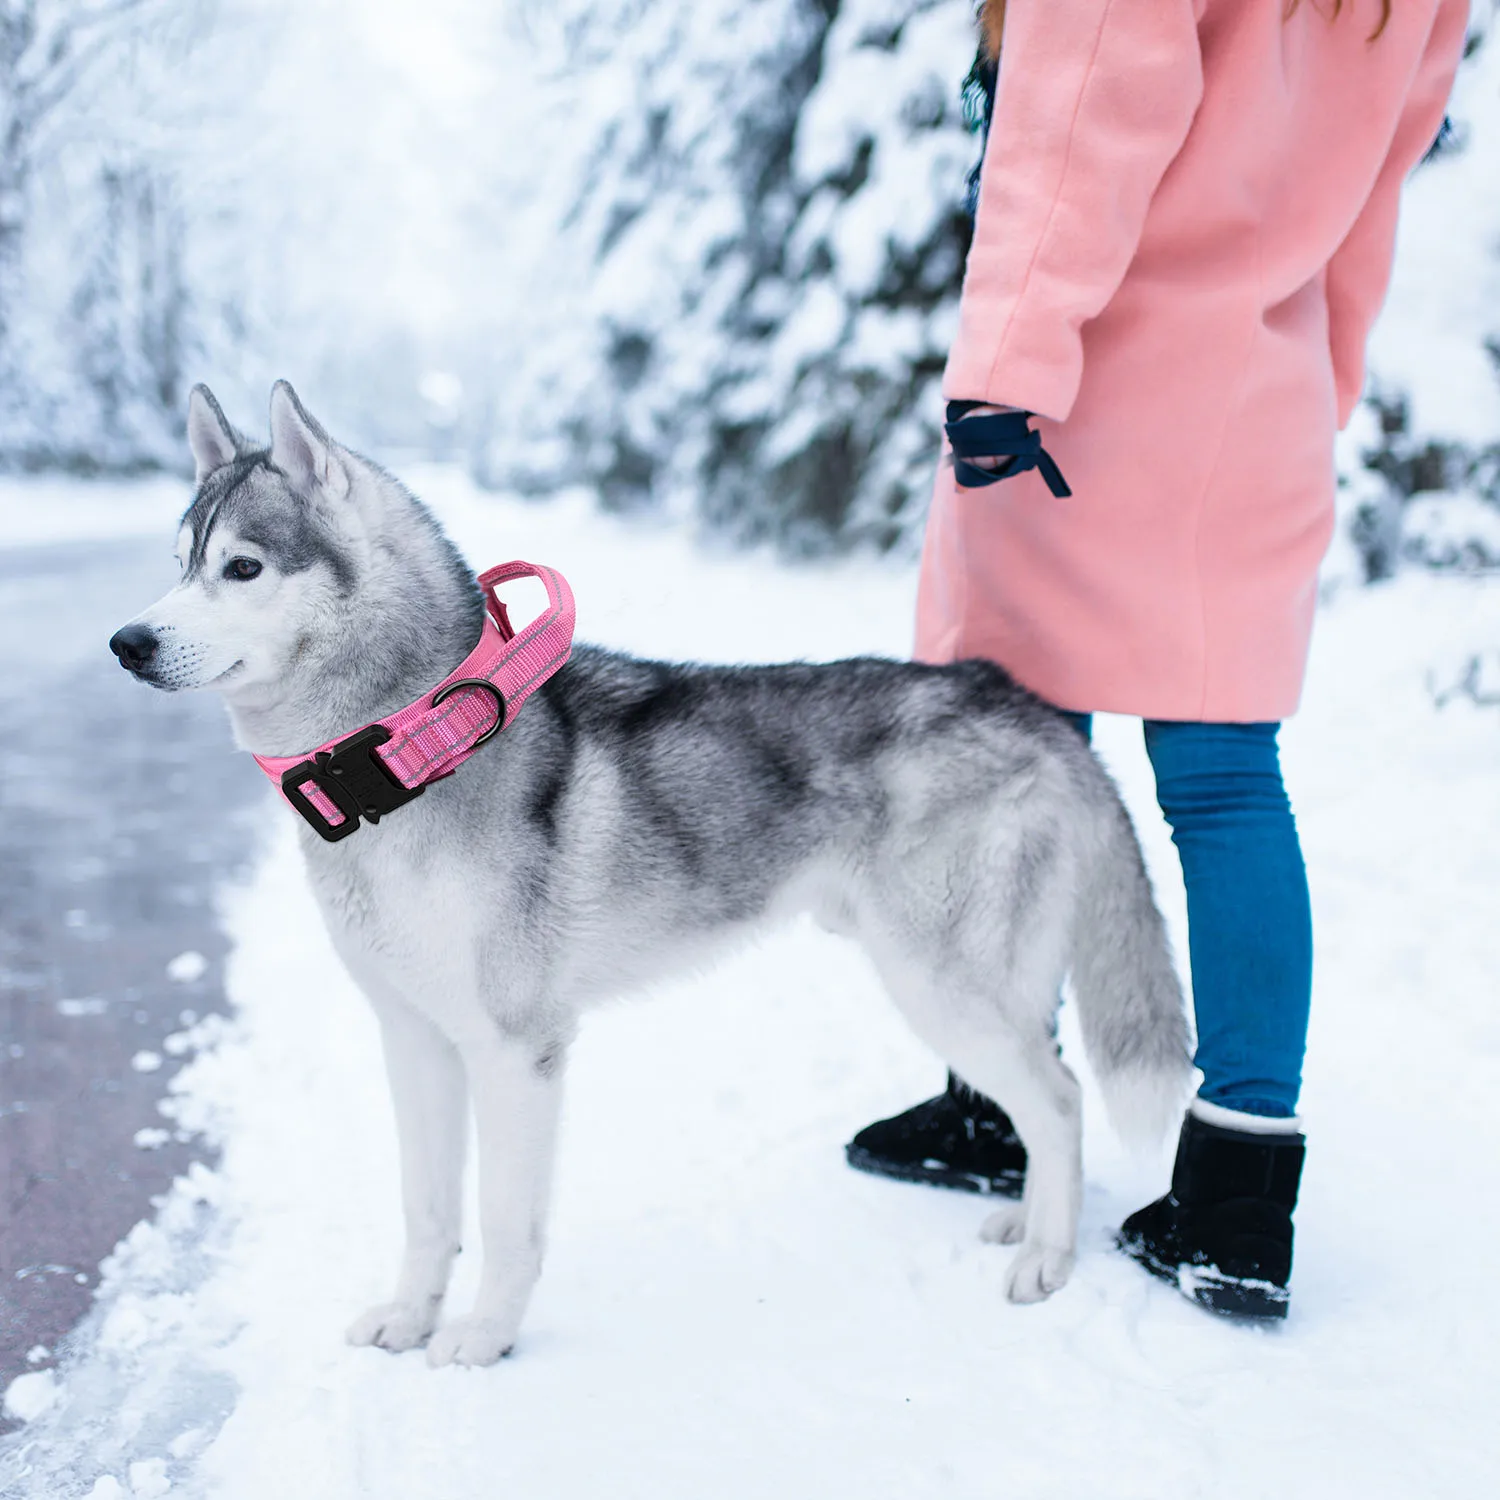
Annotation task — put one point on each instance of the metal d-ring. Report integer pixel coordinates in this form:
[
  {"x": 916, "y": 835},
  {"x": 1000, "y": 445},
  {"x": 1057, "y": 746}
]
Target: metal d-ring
[{"x": 490, "y": 688}]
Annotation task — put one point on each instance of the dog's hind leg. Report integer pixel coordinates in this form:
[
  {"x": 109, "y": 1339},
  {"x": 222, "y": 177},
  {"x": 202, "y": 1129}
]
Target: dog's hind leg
[
  {"x": 430, "y": 1097},
  {"x": 517, "y": 1091},
  {"x": 1041, "y": 1095},
  {"x": 983, "y": 995}
]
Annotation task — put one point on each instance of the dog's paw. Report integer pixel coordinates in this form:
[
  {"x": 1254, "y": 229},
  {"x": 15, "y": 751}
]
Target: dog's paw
[
  {"x": 470, "y": 1341},
  {"x": 1037, "y": 1272},
  {"x": 1006, "y": 1226},
  {"x": 396, "y": 1326}
]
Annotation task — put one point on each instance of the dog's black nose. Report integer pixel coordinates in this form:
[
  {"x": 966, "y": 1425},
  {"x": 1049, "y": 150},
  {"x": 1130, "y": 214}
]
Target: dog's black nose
[{"x": 135, "y": 645}]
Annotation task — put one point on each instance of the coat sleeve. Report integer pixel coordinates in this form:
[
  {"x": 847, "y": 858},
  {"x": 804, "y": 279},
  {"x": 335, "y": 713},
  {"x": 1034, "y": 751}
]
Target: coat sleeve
[
  {"x": 1360, "y": 271},
  {"x": 1094, "y": 100}
]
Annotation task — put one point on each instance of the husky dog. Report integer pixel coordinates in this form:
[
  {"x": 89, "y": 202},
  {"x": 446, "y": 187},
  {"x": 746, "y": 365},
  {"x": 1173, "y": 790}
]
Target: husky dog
[{"x": 636, "y": 817}]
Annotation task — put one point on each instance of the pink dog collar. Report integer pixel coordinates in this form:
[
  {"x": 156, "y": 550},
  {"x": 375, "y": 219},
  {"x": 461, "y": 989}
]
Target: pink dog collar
[{"x": 388, "y": 763}]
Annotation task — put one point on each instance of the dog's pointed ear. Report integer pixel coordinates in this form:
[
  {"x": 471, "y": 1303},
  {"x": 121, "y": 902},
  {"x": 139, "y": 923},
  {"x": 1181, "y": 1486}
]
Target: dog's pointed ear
[
  {"x": 301, "y": 449},
  {"x": 212, "y": 440}
]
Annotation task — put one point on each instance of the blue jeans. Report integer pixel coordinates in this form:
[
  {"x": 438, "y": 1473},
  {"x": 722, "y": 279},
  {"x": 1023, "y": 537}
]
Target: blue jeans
[{"x": 1249, "y": 918}]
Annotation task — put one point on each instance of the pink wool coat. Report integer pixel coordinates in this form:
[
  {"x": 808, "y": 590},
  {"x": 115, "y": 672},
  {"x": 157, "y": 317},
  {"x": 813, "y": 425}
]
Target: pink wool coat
[{"x": 1186, "y": 218}]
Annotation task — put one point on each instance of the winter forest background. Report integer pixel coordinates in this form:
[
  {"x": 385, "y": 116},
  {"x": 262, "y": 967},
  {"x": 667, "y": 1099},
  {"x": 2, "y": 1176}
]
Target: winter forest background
[{"x": 694, "y": 259}]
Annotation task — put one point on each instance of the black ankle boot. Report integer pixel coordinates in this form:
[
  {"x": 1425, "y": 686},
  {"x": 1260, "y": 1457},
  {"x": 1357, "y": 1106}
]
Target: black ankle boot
[
  {"x": 958, "y": 1140},
  {"x": 1223, "y": 1235}
]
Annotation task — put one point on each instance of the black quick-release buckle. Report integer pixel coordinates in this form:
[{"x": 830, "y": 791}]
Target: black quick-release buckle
[{"x": 353, "y": 778}]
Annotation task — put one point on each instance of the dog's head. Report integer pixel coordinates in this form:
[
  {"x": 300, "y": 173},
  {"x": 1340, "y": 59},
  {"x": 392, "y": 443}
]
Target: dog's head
[{"x": 269, "y": 547}]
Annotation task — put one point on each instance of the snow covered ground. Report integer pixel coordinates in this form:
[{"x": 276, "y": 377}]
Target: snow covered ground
[{"x": 728, "y": 1311}]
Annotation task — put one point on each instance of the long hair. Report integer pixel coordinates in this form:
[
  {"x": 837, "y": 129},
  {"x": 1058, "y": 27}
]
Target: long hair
[
  {"x": 991, "y": 27},
  {"x": 992, "y": 22}
]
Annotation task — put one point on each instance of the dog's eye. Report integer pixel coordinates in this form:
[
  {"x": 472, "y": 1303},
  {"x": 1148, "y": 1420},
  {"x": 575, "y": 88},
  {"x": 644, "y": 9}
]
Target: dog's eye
[{"x": 242, "y": 568}]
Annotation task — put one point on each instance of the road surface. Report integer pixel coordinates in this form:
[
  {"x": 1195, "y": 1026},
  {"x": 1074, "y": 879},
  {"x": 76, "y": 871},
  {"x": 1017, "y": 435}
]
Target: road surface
[{"x": 121, "y": 811}]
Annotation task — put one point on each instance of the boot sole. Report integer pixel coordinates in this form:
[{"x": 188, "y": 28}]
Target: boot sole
[
  {"x": 1009, "y": 1186},
  {"x": 1243, "y": 1298}
]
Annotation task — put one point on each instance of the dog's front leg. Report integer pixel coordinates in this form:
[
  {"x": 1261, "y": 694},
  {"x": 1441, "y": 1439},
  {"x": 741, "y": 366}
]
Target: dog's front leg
[
  {"x": 430, "y": 1095},
  {"x": 517, "y": 1090}
]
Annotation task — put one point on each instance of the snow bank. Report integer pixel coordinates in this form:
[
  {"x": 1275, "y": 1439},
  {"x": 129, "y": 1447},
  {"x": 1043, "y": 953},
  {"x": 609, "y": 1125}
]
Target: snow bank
[{"x": 40, "y": 510}]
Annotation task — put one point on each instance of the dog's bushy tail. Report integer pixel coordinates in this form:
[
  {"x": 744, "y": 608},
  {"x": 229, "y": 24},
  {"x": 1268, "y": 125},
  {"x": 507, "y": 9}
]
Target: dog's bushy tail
[{"x": 1130, "y": 1004}]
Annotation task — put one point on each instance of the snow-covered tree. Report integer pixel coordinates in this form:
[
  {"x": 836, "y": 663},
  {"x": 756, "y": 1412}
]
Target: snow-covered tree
[
  {"x": 699, "y": 259},
  {"x": 92, "y": 297},
  {"x": 752, "y": 268},
  {"x": 1432, "y": 420},
  {"x": 757, "y": 270}
]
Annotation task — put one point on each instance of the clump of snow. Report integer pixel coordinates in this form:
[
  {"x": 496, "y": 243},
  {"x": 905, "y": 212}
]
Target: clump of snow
[
  {"x": 91, "y": 1005},
  {"x": 1452, "y": 531},
  {"x": 196, "y": 1034},
  {"x": 187, "y": 967},
  {"x": 28, "y": 1396},
  {"x": 727, "y": 1309},
  {"x": 151, "y": 1137},
  {"x": 148, "y": 1478},
  {"x": 146, "y": 1061}
]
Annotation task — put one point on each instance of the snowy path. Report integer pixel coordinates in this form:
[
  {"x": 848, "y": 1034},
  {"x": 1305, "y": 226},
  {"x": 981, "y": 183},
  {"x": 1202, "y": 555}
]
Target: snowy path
[{"x": 727, "y": 1311}]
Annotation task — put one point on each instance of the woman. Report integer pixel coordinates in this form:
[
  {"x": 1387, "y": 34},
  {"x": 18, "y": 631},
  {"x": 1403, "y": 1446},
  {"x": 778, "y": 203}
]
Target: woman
[{"x": 1185, "y": 226}]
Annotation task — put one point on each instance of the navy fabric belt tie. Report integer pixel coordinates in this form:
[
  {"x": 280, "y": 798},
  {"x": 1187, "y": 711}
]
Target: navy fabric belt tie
[{"x": 1006, "y": 435}]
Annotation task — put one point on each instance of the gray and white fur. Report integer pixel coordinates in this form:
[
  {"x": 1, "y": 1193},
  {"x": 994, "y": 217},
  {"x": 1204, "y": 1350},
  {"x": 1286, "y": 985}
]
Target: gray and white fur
[{"x": 637, "y": 818}]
